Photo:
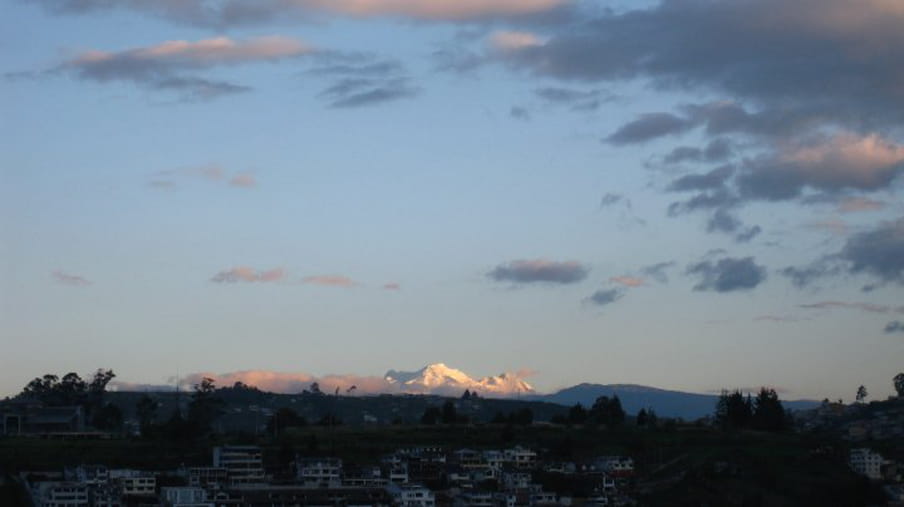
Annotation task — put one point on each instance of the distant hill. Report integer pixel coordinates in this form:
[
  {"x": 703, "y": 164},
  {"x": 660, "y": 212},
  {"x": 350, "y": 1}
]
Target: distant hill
[{"x": 666, "y": 403}]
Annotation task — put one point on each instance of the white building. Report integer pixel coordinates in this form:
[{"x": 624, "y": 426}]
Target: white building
[
  {"x": 521, "y": 457},
  {"x": 866, "y": 462},
  {"x": 319, "y": 472},
  {"x": 184, "y": 497},
  {"x": 411, "y": 495},
  {"x": 244, "y": 464},
  {"x": 60, "y": 494}
]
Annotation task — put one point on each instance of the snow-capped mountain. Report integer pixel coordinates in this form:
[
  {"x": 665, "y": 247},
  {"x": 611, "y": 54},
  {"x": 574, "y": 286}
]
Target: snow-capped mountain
[{"x": 438, "y": 378}]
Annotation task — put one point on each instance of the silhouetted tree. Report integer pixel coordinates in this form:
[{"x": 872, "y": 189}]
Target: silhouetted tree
[
  {"x": 315, "y": 389},
  {"x": 285, "y": 418},
  {"x": 467, "y": 395},
  {"x": 329, "y": 420},
  {"x": 733, "y": 410},
  {"x": 577, "y": 414},
  {"x": 607, "y": 411},
  {"x": 641, "y": 418},
  {"x": 205, "y": 405},
  {"x": 107, "y": 417},
  {"x": 861, "y": 394},
  {"x": 768, "y": 415},
  {"x": 899, "y": 384},
  {"x": 431, "y": 415},
  {"x": 450, "y": 414},
  {"x": 146, "y": 409}
]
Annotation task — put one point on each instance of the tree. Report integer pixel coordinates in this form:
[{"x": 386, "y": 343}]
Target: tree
[
  {"x": 431, "y": 415},
  {"x": 769, "y": 415},
  {"x": 467, "y": 395},
  {"x": 899, "y": 384},
  {"x": 733, "y": 411},
  {"x": 285, "y": 418},
  {"x": 861, "y": 394},
  {"x": 315, "y": 389},
  {"x": 107, "y": 417},
  {"x": 205, "y": 405},
  {"x": 607, "y": 411},
  {"x": 450, "y": 414},
  {"x": 642, "y": 418},
  {"x": 577, "y": 414},
  {"x": 146, "y": 409}
]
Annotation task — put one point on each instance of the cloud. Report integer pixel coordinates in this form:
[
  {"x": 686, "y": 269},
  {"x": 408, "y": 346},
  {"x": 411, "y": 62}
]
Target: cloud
[
  {"x": 658, "y": 271},
  {"x": 712, "y": 180},
  {"x": 649, "y": 126},
  {"x": 844, "y": 161},
  {"x": 859, "y": 204},
  {"x": 225, "y": 13},
  {"x": 64, "y": 278},
  {"x": 628, "y": 281},
  {"x": 245, "y": 180},
  {"x": 505, "y": 41},
  {"x": 783, "y": 319},
  {"x": 727, "y": 274},
  {"x": 519, "y": 113},
  {"x": 539, "y": 271},
  {"x": 611, "y": 199},
  {"x": 605, "y": 297},
  {"x": 161, "y": 66},
  {"x": 879, "y": 252},
  {"x": 576, "y": 100},
  {"x": 329, "y": 281},
  {"x": 392, "y": 286},
  {"x": 895, "y": 326},
  {"x": 866, "y": 307},
  {"x": 247, "y": 274},
  {"x": 212, "y": 173},
  {"x": 358, "y": 92}
]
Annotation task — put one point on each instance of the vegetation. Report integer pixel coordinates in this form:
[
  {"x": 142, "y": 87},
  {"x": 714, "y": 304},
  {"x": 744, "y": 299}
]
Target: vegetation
[{"x": 735, "y": 411}]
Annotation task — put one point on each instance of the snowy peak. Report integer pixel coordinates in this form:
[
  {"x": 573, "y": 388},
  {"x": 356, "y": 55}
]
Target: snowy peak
[{"x": 438, "y": 378}]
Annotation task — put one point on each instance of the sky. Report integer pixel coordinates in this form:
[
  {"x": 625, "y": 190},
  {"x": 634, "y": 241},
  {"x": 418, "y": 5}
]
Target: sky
[{"x": 687, "y": 194}]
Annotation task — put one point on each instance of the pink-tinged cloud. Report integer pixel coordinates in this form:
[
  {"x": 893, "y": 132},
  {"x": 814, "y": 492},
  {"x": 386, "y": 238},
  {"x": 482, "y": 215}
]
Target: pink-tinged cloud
[
  {"x": 780, "y": 318},
  {"x": 245, "y": 180},
  {"x": 835, "y": 226},
  {"x": 628, "y": 281},
  {"x": 859, "y": 204},
  {"x": 248, "y": 274},
  {"x": 436, "y": 10},
  {"x": 329, "y": 281},
  {"x": 180, "y": 54},
  {"x": 866, "y": 307},
  {"x": 392, "y": 286},
  {"x": 69, "y": 279},
  {"x": 847, "y": 160},
  {"x": 507, "y": 40}
]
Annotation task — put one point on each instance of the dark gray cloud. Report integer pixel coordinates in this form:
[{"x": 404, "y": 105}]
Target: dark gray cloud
[
  {"x": 806, "y": 276},
  {"x": 361, "y": 79},
  {"x": 712, "y": 180},
  {"x": 605, "y": 297},
  {"x": 539, "y": 271},
  {"x": 895, "y": 326},
  {"x": 838, "y": 56},
  {"x": 879, "y": 252},
  {"x": 358, "y": 92},
  {"x": 611, "y": 199},
  {"x": 577, "y": 100},
  {"x": 717, "y": 199},
  {"x": 519, "y": 113},
  {"x": 658, "y": 271},
  {"x": 196, "y": 89},
  {"x": 649, "y": 126},
  {"x": 727, "y": 274}
]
